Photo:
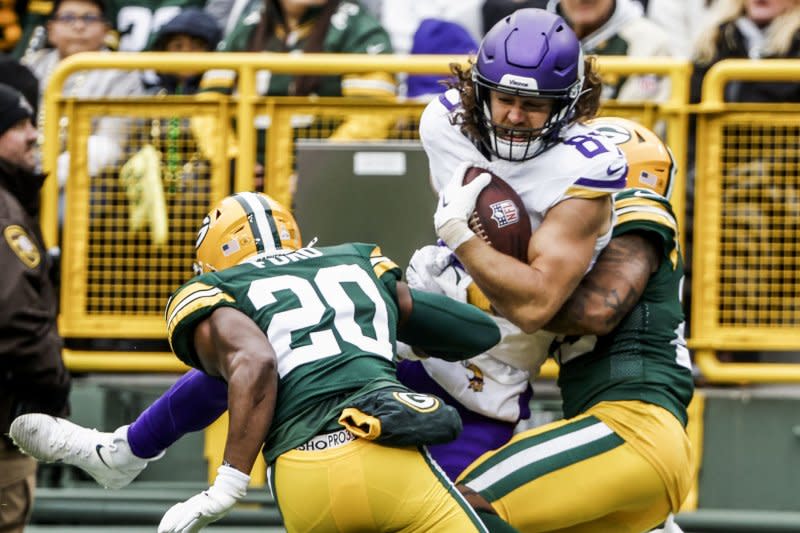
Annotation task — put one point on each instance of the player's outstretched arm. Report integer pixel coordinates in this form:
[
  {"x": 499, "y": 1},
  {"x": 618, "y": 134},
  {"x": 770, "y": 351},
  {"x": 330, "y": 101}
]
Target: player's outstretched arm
[
  {"x": 442, "y": 327},
  {"x": 610, "y": 290},
  {"x": 231, "y": 345}
]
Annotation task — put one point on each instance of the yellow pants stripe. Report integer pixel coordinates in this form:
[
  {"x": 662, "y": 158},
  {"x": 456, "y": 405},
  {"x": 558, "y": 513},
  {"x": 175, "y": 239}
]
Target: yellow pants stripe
[{"x": 620, "y": 467}]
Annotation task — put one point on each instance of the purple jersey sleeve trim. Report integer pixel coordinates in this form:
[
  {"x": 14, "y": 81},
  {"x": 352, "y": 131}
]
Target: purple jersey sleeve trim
[
  {"x": 447, "y": 103},
  {"x": 616, "y": 185}
]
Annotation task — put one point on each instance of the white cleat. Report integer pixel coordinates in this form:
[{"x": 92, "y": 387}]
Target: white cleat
[{"x": 104, "y": 456}]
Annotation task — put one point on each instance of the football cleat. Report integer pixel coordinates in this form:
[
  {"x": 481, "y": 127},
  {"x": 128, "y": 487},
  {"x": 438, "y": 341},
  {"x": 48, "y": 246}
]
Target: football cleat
[{"x": 104, "y": 456}]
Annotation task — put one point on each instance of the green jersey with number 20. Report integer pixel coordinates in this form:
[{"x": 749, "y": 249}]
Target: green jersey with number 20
[{"x": 330, "y": 315}]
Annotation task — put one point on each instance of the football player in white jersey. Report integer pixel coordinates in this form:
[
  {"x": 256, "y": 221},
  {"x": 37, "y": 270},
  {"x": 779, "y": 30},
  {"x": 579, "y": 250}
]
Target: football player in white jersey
[
  {"x": 621, "y": 460},
  {"x": 519, "y": 111}
]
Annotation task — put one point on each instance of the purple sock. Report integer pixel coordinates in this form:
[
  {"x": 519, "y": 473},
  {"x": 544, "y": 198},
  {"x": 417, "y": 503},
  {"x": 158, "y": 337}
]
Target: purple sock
[{"x": 191, "y": 404}]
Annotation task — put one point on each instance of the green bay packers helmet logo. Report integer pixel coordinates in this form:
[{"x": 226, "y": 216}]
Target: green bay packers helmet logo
[
  {"x": 23, "y": 246},
  {"x": 613, "y": 132},
  {"x": 422, "y": 403}
]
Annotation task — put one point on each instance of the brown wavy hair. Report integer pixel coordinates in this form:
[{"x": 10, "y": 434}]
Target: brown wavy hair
[{"x": 586, "y": 108}]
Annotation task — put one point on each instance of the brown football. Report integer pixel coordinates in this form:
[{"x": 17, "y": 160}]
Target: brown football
[{"x": 500, "y": 217}]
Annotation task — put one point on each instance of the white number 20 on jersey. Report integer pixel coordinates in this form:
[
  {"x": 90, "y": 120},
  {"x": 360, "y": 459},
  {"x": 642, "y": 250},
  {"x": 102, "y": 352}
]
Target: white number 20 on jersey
[{"x": 328, "y": 282}]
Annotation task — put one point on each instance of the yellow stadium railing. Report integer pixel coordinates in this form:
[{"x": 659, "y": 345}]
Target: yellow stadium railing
[
  {"x": 746, "y": 267},
  {"x": 108, "y": 267},
  {"x": 674, "y": 111},
  {"x": 116, "y": 281}
]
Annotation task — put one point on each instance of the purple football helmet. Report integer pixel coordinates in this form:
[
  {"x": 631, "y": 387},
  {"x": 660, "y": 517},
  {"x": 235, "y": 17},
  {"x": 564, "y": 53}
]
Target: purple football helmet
[{"x": 532, "y": 52}]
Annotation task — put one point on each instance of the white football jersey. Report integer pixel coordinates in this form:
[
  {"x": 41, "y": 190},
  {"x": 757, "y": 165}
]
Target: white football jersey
[{"x": 581, "y": 165}]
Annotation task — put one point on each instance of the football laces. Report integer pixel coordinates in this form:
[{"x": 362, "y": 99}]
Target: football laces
[{"x": 476, "y": 226}]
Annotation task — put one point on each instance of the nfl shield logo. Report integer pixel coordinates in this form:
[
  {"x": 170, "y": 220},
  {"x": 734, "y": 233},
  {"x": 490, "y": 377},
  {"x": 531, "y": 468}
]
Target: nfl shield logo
[{"x": 504, "y": 213}]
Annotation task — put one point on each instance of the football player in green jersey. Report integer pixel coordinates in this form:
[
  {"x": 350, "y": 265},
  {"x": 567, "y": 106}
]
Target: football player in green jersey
[
  {"x": 305, "y": 339},
  {"x": 621, "y": 459}
]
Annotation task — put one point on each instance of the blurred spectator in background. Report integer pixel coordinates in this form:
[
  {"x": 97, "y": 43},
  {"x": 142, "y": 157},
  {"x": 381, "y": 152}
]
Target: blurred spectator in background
[
  {"x": 430, "y": 27},
  {"x": 753, "y": 29},
  {"x": 138, "y": 22},
  {"x": 403, "y": 18},
  {"x": 619, "y": 27},
  {"x": 305, "y": 26},
  {"x": 683, "y": 20},
  {"x": 13, "y": 73},
  {"x": 32, "y": 374},
  {"x": 435, "y": 36},
  {"x": 191, "y": 30},
  {"x": 133, "y": 24},
  {"x": 80, "y": 26},
  {"x": 494, "y": 10}
]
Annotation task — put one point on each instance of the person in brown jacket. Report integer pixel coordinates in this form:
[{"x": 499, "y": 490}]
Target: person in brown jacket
[{"x": 32, "y": 374}]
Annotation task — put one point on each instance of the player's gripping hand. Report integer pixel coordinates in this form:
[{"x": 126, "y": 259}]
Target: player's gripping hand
[
  {"x": 456, "y": 204},
  {"x": 435, "y": 269},
  {"x": 209, "y": 506},
  {"x": 425, "y": 264}
]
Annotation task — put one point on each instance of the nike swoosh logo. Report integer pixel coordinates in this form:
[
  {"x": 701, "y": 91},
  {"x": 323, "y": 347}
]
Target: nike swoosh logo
[
  {"x": 444, "y": 201},
  {"x": 639, "y": 193},
  {"x": 100, "y": 455},
  {"x": 613, "y": 169},
  {"x": 376, "y": 48}
]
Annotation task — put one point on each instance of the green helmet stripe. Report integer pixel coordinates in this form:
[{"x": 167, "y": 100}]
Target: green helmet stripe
[
  {"x": 258, "y": 226},
  {"x": 271, "y": 220}
]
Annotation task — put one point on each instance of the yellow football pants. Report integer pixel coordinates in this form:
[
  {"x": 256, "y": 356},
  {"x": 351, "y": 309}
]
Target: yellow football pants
[
  {"x": 619, "y": 467},
  {"x": 363, "y": 486}
]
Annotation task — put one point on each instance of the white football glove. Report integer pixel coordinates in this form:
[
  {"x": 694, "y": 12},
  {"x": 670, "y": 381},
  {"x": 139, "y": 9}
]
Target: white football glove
[
  {"x": 209, "y": 506},
  {"x": 427, "y": 263},
  {"x": 434, "y": 269},
  {"x": 456, "y": 204}
]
